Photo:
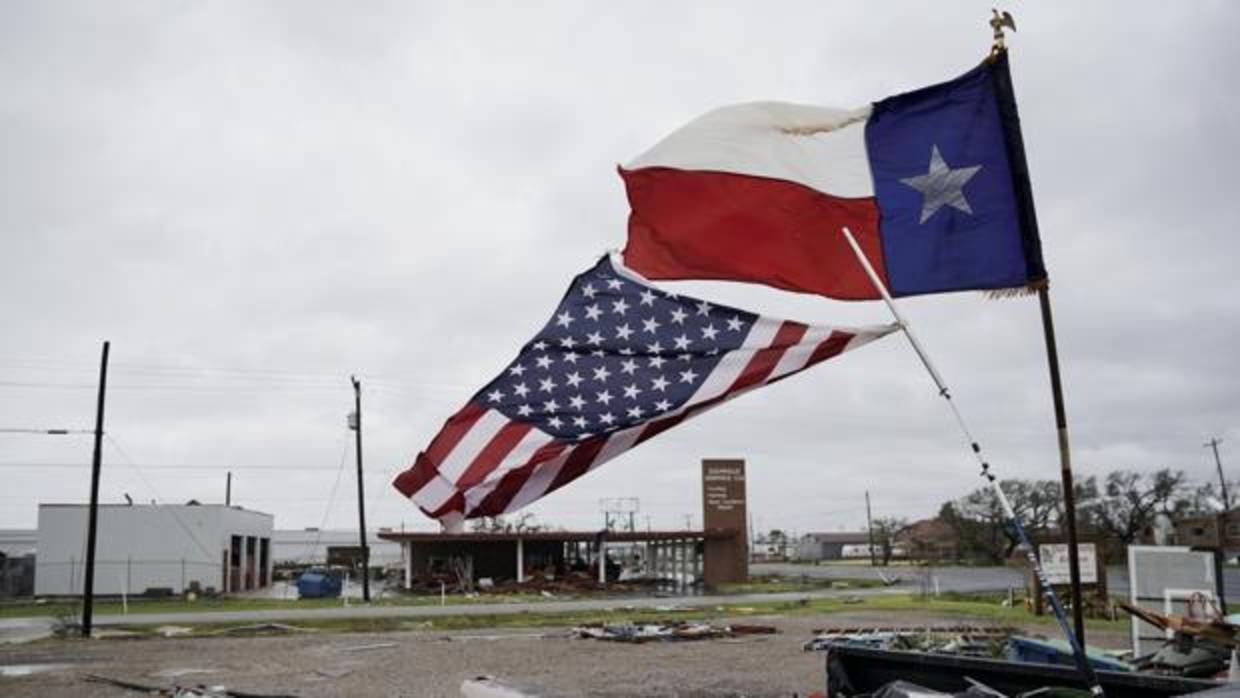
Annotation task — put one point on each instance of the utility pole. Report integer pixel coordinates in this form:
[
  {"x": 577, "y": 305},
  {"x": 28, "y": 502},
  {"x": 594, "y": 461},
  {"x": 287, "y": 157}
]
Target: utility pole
[
  {"x": 869, "y": 527},
  {"x": 88, "y": 590},
  {"x": 356, "y": 424},
  {"x": 228, "y": 490},
  {"x": 1222, "y": 481}
]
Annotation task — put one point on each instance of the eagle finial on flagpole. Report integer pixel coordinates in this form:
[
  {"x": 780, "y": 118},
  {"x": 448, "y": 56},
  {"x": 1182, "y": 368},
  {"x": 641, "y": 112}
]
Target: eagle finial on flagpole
[{"x": 999, "y": 20}]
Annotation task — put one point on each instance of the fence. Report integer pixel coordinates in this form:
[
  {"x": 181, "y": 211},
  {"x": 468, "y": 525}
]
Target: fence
[
  {"x": 130, "y": 576},
  {"x": 16, "y": 576}
]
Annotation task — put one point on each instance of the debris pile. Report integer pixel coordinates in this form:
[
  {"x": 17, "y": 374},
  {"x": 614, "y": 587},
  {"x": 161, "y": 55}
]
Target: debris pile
[
  {"x": 965, "y": 640},
  {"x": 1200, "y": 646},
  {"x": 182, "y": 691},
  {"x": 666, "y": 631}
]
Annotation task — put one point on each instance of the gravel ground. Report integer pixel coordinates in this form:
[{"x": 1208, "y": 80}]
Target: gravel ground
[{"x": 428, "y": 664}]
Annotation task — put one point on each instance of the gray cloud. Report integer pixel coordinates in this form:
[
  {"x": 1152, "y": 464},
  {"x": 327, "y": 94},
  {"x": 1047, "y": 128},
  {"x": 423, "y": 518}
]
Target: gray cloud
[{"x": 255, "y": 201}]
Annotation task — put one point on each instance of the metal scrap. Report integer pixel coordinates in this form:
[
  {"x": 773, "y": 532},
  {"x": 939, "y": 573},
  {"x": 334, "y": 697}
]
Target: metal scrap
[
  {"x": 966, "y": 640},
  {"x": 1215, "y": 630},
  {"x": 664, "y": 631},
  {"x": 182, "y": 691}
]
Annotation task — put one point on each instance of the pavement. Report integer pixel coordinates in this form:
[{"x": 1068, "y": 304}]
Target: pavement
[{"x": 21, "y": 630}]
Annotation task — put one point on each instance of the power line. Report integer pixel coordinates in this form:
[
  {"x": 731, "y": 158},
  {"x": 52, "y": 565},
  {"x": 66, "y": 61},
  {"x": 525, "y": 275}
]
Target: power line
[
  {"x": 45, "y": 432},
  {"x": 174, "y": 466},
  {"x": 208, "y": 555}
]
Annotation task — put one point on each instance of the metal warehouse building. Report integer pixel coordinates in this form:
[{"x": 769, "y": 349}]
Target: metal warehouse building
[{"x": 154, "y": 547}]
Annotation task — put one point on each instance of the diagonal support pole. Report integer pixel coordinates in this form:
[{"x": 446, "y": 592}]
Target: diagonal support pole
[{"x": 1078, "y": 652}]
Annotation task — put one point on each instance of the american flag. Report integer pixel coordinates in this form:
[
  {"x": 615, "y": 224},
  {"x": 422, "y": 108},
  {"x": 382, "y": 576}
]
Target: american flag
[{"x": 619, "y": 362}]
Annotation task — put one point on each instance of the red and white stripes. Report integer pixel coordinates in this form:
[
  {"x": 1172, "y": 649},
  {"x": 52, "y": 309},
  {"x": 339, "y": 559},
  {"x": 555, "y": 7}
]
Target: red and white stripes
[{"x": 484, "y": 464}]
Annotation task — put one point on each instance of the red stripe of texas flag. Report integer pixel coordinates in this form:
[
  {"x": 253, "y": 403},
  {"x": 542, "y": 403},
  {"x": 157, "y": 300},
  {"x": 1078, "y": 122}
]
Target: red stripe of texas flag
[{"x": 688, "y": 224}]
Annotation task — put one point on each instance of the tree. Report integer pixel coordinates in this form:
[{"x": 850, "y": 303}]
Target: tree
[
  {"x": 981, "y": 524},
  {"x": 886, "y": 530},
  {"x": 1206, "y": 499},
  {"x": 1132, "y": 500}
]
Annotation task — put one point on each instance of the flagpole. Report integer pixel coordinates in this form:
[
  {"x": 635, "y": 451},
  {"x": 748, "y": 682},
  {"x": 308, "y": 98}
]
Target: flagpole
[
  {"x": 1078, "y": 651},
  {"x": 1065, "y": 462},
  {"x": 1024, "y": 198}
]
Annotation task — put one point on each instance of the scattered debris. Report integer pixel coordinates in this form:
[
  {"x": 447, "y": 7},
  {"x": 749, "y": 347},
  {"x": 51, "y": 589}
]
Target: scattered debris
[
  {"x": 967, "y": 640},
  {"x": 333, "y": 673},
  {"x": 666, "y": 631},
  {"x": 173, "y": 630},
  {"x": 178, "y": 672},
  {"x": 182, "y": 691},
  {"x": 14, "y": 670},
  {"x": 889, "y": 581},
  {"x": 1214, "y": 629},
  {"x": 367, "y": 648},
  {"x": 263, "y": 629},
  {"x": 111, "y": 634},
  {"x": 492, "y": 687},
  {"x": 1200, "y": 647}
]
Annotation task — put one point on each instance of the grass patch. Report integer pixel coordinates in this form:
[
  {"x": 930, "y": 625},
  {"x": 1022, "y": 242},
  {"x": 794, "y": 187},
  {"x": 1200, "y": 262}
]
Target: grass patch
[
  {"x": 903, "y": 608},
  {"x": 112, "y": 607},
  {"x": 773, "y": 584}
]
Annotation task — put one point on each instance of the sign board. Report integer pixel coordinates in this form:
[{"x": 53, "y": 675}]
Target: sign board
[
  {"x": 1054, "y": 558},
  {"x": 723, "y": 492},
  {"x": 723, "y": 509},
  {"x": 345, "y": 555}
]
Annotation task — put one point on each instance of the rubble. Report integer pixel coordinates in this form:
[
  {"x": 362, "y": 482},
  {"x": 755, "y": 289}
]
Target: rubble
[
  {"x": 367, "y": 648},
  {"x": 263, "y": 629},
  {"x": 1213, "y": 629},
  {"x": 967, "y": 640},
  {"x": 664, "y": 631},
  {"x": 182, "y": 691}
]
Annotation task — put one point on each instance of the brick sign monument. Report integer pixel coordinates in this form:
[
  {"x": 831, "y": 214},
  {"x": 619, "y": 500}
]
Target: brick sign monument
[{"x": 726, "y": 559}]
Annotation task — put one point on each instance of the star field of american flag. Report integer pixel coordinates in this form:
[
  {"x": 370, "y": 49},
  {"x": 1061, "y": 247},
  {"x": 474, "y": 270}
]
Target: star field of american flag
[
  {"x": 619, "y": 363},
  {"x": 615, "y": 354}
]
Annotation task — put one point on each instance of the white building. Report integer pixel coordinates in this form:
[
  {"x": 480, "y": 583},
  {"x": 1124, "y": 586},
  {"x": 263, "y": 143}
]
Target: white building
[{"x": 153, "y": 546}]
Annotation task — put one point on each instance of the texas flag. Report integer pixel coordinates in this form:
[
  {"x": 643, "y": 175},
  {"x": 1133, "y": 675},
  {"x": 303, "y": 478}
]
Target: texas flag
[{"x": 933, "y": 184}]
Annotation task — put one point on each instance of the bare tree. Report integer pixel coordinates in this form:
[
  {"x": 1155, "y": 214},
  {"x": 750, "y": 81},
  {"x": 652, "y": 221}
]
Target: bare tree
[
  {"x": 982, "y": 526},
  {"x": 886, "y": 530},
  {"x": 1132, "y": 500}
]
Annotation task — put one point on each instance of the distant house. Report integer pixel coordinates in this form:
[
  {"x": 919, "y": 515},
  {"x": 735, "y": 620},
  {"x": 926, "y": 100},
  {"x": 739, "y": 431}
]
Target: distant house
[
  {"x": 930, "y": 539},
  {"x": 1203, "y": 531},
  {"x": 834, "y": 546}
]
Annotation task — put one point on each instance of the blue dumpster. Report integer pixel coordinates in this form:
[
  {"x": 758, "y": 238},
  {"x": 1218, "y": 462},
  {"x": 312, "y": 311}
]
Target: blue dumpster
[{"x": 318, "y": 584}]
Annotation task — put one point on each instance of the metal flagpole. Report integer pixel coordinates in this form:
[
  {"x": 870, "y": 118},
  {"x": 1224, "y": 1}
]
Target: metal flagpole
[
  {"x": 1078, "y": 652},
  {"x": 1065, "y": 463},
  {"x": 1024, "y": 197}
]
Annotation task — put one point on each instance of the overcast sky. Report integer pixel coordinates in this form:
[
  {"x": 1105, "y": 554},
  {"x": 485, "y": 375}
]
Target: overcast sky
[{"x": 254, "y": 200}]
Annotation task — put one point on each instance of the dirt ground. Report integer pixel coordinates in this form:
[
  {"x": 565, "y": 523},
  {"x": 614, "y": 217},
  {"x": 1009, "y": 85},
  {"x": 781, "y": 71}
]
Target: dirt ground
[{"x": 421, "y": 664}]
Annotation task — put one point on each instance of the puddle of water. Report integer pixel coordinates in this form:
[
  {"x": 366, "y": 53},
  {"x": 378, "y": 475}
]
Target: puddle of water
[{"x": 14, "y": 670}]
